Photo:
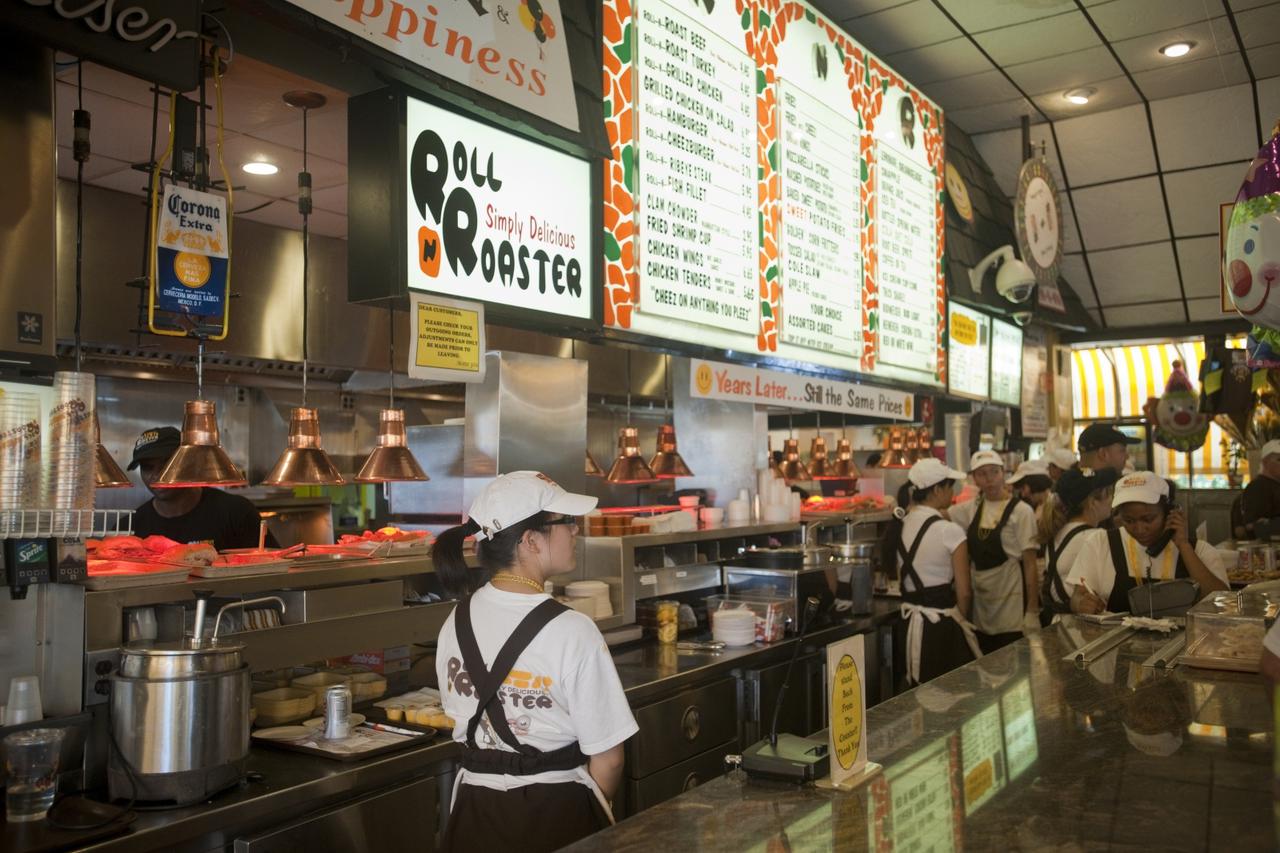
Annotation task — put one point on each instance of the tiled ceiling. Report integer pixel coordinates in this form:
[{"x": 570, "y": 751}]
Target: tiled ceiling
[
  {"x": 1145, "y": 164},
  {"x": 258, "y": 125}
]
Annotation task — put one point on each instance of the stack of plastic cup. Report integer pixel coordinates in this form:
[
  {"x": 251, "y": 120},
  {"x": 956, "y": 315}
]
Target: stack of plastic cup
[
  {"x": 19, "y": 454},
  {"x": 24, "y": 704},
  {"x": 72, "y": 451}
]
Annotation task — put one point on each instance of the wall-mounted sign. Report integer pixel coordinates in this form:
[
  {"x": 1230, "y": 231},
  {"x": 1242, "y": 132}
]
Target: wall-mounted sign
[
  {"x": 494, "y": 217},
  {"x": 512, "y": 51},
  {"x": 448, "y": 339},
  {"x": 191, "y": 265},
  {"x": 968, "y": 352},
  {"x": 1037, "y": 218},
  {"x": 719, "y": 381},
  {"x": 1036, "y": 383},
  {"x": 958, "y": 193},
  {"x": 157, "y": 40},
  {"x": 1006, "y": 363}
]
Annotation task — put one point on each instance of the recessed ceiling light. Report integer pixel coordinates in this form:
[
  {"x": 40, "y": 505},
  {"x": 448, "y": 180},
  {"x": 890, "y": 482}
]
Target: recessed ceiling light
[
  {"x": 1178, "y": 48},
  {"x": 260, "y": 167},
  {"x": 1080, "y": 97}
]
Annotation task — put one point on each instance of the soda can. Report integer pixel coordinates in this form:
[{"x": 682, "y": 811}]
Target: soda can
[{"x": 337, "y": 712}]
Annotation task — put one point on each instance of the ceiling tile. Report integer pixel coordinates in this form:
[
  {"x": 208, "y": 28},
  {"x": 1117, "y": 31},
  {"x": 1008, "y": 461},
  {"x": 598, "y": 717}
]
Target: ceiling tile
[
  {"x": 975, "y": 90},
  {"x": 332, "y": 199},
  {"x": 979, "y": 15},
  {"x": 1002, "y": 149},
  {"x": 1201, "y": 272},
  {"x": 1138, "y": 274},
  {"x": 1212, "y": 72},
  {"x": 1074, "y": 271},
  {"x": 326, "y": 133},
  {"x": 1209, "y": 309},
  {"x": 125, "y": 181},
  {"x": 1059, "y": 74},
  {"x": 1112, "y": 94},
  {"x": 1096, "y": 314},
  {"x": 1207, "y": 127},
  {"x": 991, "y": 117},
  {"x": 1242, "y": 5},
  {"x": 1145, "y": 315},
  {"x": 1131, "y": 18},
  {"x": 324, "y": 172},
  {"x": 119, "y": 129},
  {"x": 1194, "y": 196},
  {"x": 1070, "y": 237},
  {"x": 839, "y": 10},
  {"x": 1269, "y": 104},
  {"x": 1259, "y": 26},
  {"x": 100, "y": 79},
  {"x": 252, "y": 95},
  {"x": 1105, "y": 146},
  {"x": 1027, "y": 42},
  {"x": 96, "y": 167},
  {"x": 1142, "y": 52},
  {"x": 943, "y": 61},
  {"x": 1265, "y": 61},
  {"x": 901, "y": 27}
]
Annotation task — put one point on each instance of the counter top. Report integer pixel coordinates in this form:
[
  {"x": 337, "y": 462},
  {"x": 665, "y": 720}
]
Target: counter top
[{"x": 1019, "y": 750}]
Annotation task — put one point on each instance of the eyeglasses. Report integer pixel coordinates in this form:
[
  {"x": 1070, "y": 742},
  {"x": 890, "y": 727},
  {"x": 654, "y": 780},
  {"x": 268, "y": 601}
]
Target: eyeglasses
[{"x": 573, "y": 520}]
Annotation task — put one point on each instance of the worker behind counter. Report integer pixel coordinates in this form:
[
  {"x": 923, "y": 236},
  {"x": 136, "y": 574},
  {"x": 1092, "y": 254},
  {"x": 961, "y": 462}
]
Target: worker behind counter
[
  {"x": 196, "y": 514},
  {"x": 1261, "y": 500}
]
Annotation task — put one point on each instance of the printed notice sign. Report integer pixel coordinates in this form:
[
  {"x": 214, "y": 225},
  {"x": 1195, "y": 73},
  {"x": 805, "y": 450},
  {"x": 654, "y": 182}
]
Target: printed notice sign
[
  {"x": 697, "y": 211},
  {"x": 821, "y": 211},
  {"x": 968, "y": 352},
  {"x": 718, "y": 381},
  {"x": 847, "y": 698},
  {"x": 1006, "y": 363},
  {"x": 448, "y": 339}
]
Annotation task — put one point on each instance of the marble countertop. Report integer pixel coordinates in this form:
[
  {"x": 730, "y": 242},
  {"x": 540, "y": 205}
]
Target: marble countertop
[{"x": 1018, "y": 751}]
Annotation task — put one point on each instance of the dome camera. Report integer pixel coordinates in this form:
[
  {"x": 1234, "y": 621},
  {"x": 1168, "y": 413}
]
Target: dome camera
[
  {"x": 1014, "y": 279},
  {"x": 1022, "y": 318}
]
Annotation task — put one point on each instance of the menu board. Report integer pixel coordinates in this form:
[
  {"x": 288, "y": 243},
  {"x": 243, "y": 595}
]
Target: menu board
[
  {"x": 1006, "y": 363},
  {"x": 968, "y": 351},
  {"x": 1035, "y": 376},
  {"x": 982, "y": 748},
  {"x": 921, "y": 801},
  {"x": 696, "y": 117},
  {"x": 821, "y": 258},
  {"x": 1020, "y": 745}
]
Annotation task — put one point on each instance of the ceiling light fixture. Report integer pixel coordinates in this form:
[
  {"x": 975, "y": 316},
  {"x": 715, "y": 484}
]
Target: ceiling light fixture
[
  {"x": 1177, "y": 49},
  {"x": 260, "y": 167},
  {"x": 1080, "y": 97}
]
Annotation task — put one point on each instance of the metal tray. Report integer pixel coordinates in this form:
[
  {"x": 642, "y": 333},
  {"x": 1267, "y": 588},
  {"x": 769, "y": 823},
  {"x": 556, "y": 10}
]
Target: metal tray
[
  {"x": 425, "y": 736},
  {"x": 98, "y": 583},
  {"x": 239, "y": 571}
]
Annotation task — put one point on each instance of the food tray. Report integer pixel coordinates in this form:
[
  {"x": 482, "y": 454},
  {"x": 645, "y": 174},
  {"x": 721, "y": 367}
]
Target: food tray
[
  {"x": 147, "y": 574},
  {"x": 266, "y": 567},
  {"x": 363, "y": 743}
]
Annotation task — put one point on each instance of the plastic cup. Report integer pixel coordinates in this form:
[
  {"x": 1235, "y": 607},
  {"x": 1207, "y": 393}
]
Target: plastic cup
[
  {"x": 31, "y": 765},
  {"x": 24, "y": 704}
]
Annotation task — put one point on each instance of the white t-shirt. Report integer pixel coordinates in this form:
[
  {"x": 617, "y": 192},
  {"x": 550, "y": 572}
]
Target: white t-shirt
[
  {"x": 933, "y": 560},
  {"x": 1093, "y": 564},
  {"x": 562, "y": 688},
  {"x": 1067, "y": 558},
  {"x": 1018, "y": 535}
]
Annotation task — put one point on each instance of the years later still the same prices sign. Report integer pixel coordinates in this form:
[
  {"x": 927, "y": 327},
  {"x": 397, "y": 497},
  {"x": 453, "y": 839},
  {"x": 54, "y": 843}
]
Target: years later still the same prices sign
[{"x": 718, "y": 381}]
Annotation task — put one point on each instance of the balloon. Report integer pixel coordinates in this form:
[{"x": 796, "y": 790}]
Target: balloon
[
  {"x": 1251, "y": 260},
  {"x": 1176, "y": 418}
]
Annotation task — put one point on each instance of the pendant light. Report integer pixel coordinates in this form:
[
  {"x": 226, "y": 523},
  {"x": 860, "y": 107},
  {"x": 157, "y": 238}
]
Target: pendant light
[
  {"x": 106, "y": 472},
  {"x": 818, "y": 453},
  {"x": 792, "y": 467},
  {"x": 843, "y": 468},
  {"x": 667, "y": 464},
  {"x": 304, "y": 461},
  {"x": 590, "y": 466},
  {"x": 630, "y": 466},
  {"x": 200, "y": 459},
  {"x": 391, "y": 460},
  {"x": 773, "y": 463}
]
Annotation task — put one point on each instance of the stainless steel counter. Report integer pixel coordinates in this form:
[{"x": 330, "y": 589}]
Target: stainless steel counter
[{"x": 1018, "y": 751}]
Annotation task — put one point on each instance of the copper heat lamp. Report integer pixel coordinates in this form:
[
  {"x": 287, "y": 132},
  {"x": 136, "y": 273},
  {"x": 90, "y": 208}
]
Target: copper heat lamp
[
  {"x": 792, "y": 467},
  {"x": 392, "y": 460},
  {"x": 630, "y": 466},
  {"x": 843, "y": 468},
  {"x": 106, "y": 473},
  {"x": 591, "y": 467},
  {"x": 818, "y": 468},
  {"x": 667, "y": 464},
  {"x": 200, "y": 460}
]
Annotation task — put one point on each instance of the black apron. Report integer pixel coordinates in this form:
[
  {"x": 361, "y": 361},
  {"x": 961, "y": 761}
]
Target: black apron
[
  {"x": 483, "y": 818},
  {"x": 1053, "y": 580},
  {"x": 987, "y": 552},
  {"x": 943, "y": 646},
  {"x": 1119, "y": 600}
]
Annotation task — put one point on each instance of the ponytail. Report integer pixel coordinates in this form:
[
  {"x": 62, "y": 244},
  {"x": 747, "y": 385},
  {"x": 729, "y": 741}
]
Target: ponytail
[
  {"x": 1053, "y": 516},
  {"x": 893, "y": 532},
  {"x": 450, "y": 565},
  {"x": 494, "y": 553}
]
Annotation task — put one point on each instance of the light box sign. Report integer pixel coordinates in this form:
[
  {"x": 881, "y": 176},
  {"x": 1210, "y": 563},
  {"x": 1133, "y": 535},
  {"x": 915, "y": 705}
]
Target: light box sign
[
  {"x": 968, "y": 352},
  {"x": 710, "y": 380},
  {"x": 1006, "y": 363},
  {"x": 494, "y": 217}
]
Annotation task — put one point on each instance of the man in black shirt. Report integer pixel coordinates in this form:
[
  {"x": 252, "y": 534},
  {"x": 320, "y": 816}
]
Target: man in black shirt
[
  {"x": 1262, "y": 495},
  {"x": 189, "y": 515}
]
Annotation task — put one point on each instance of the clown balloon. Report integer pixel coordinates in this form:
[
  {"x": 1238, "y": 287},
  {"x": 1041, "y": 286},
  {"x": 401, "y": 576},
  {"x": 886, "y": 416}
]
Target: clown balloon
[
  {"x": 1176, "y": 419},
  {"x": 1251, "y": 262}
]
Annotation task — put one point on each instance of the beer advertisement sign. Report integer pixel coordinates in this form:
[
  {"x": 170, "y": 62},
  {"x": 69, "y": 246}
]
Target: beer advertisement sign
[{"x": 192, "y": 261}]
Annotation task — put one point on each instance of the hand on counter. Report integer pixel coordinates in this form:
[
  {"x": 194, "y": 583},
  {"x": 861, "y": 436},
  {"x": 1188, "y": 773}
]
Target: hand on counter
[
  {"x": 1030, "y": 624},
  {"x": 1084, "y": 601}
]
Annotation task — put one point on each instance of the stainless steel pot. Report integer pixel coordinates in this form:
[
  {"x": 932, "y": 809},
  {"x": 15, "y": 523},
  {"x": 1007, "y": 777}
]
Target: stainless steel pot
[
  {"x": 792, "y": 556},
  {"x": 857, "y": 570}
]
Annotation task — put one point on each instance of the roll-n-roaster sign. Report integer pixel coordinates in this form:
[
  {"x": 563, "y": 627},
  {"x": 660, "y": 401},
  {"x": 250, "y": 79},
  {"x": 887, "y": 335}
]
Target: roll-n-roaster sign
[{"x": 494, "y": 217}]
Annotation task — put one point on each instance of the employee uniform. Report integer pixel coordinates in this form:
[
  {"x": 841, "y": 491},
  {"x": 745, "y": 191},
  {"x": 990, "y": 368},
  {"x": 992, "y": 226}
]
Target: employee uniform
[
  {"x": 530, "y": 705},
  {"x": 222, "y": 520},
  {"x": 1055, "y": 591},
  {"x": 939, "y": 639},
  {"x": 998, "y": 533},
  {"x": 1114, "y": 562},
  {"x": 1261, "y": 500}
]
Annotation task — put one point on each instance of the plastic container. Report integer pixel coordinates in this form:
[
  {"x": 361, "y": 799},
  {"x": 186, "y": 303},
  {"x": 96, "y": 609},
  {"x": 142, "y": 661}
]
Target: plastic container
[
  {"x": 281, "y": 705},
  {"x": 320, "y": 682},
  {"x": 773, "y": 614},
  {"x": 24, "y": 705},
  {"x": 1226, "y": 629}
]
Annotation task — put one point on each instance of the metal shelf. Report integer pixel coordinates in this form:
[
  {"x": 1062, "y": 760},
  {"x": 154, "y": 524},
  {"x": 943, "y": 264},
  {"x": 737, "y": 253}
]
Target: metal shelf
[{"x": 65, "y": 523}]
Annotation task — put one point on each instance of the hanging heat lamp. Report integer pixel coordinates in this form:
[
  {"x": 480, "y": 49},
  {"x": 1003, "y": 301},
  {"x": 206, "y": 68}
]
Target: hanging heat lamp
[
  {"x": 792, "y": 466},
  {"x": 392, "y": 460},
  {"x": 773, "y": 463},
  {"x": 200, "y": 459},
  {"x": 818, "y": 453},
  {"x": 843, "y": 468},
  {"x": 304, "y": 461},
  {"x": 667, "y": 464},
  {"x": 106, "y": 473},
  {"x": 630, "y": 466},
  {"x": 592, "y": 467}
]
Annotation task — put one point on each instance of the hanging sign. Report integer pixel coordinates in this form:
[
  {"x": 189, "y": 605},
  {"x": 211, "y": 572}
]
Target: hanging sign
[
  {"x": 494, "y": 217},
  {"x": 191, "y": 264},
  {"x": 1006, "y": 363},
  {"x": 448, "y": 339},
  {"x": 847, "y": 707},
  {"x": 514, "y": 51},
  {"x": 1036, "y": 383},
  {"x": 1037, "y": 218},
  {"x": 710, "y": 380}
]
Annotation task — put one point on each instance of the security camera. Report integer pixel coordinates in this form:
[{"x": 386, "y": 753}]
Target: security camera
[
  {"x": 1014, "y": 280},
  {"x": 1022, "y": 318}
]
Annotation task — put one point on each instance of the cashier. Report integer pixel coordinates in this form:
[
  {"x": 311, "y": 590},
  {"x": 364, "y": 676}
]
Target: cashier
[
  {"x": 1002, "y": 550},
  {"x": 1081, "y": 500},
  {"x": 540, "y": 711},
  {"x": 187, "y": 515},
  {"x": 1151, "y": 544},
  {"x": 933, "y": 565},
  {"x": 1261, "y": 499}
]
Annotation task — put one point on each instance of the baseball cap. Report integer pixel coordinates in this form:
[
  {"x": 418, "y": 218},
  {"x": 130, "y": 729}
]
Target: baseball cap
[
  {"x": 511, "y": 498},
  {"x": 1075, "y": 485},
  {"x": 155, "y": 443},
  {"x": 1028, "y": 469},
  {"x": 1096, "y": 436},
  {"x": 1142, "y": 487},
  {"x": 1059, "y": 457},
  {"x": 930, "y": 471},
  {"x": 1272, "y": 446},
  {"x": 984, "y": 457}
]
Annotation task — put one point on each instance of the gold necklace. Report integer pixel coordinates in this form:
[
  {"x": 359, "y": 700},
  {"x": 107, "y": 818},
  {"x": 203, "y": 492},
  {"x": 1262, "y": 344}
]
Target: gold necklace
[{"x": 513, "y": 578}]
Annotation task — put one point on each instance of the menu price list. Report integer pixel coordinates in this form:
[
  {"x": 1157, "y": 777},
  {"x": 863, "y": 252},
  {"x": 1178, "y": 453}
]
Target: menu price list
[
  {"x": 921, "y": 808},
  {"x": 821, "y": 213},
  {"x": 1006, "y": 363},
  {"x": 907, "y": 253},
  {"x": 697, "y": 172},
  {"x": 982, "y": 745}
]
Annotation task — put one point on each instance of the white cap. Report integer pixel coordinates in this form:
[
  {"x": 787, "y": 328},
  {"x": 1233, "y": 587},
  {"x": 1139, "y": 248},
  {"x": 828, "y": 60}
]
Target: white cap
[
  {"x": 512, "y": 498},
  {"x": 930, "y": 471},
  {"x": 1141, "y": 487},
  {"x": 1028, "y": 469},
  {"x": 1272, "y": 446},
  {"x": 1059, "y": 457},
  {"x": 984, "y": 457}
]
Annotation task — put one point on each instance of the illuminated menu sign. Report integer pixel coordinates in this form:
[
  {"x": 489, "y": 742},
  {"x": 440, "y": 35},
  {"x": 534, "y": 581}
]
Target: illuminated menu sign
[
  {"x": 982, "y": 748},
  {"x": 922, "y": 804},
  {"x": 1020, "y": 744},
  {"x": 1006, "y": 363},
  {"x": 968, "y": 351},
  {"x": 821, "y": 208},
  {"x": 697, "y": 183}
]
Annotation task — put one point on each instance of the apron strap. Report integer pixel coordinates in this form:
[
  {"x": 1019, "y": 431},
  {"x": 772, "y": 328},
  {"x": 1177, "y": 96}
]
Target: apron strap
[
  {"x": 488, "y": 681},
  {"x": 1118, "y": 602},
  {"x": 1051, "y": 571},
  {"x": 909, "y": 557}
]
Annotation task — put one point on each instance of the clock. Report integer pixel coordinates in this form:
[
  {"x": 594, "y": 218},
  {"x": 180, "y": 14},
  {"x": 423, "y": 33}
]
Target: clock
[{"x": 958, "y": 192}]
